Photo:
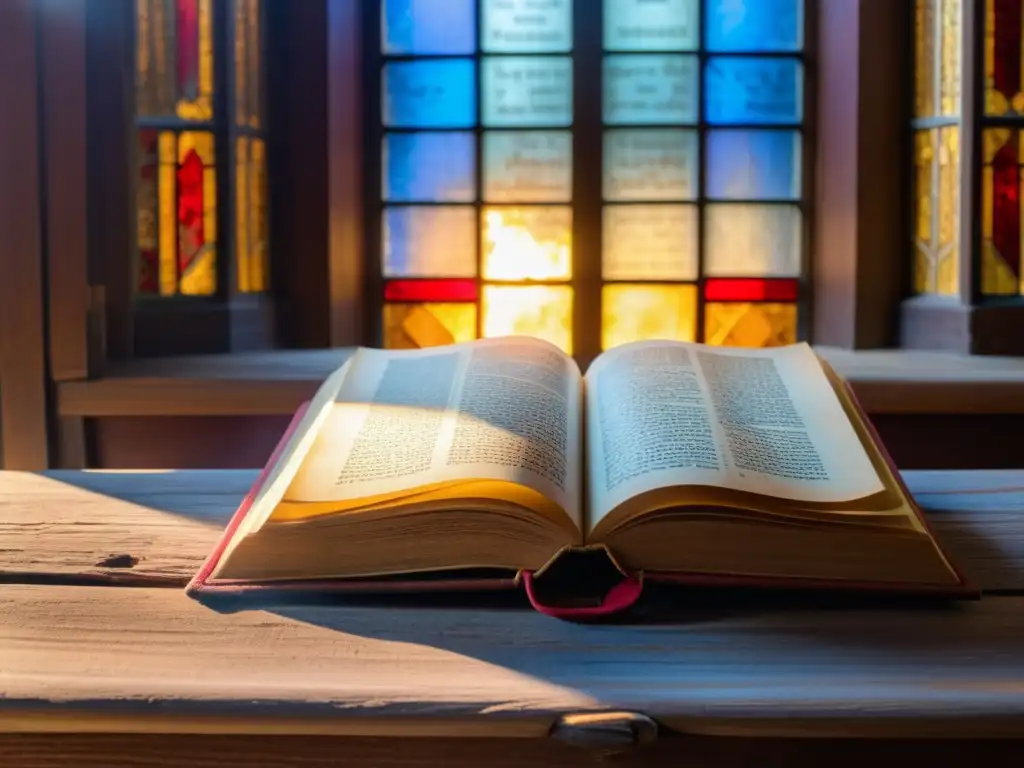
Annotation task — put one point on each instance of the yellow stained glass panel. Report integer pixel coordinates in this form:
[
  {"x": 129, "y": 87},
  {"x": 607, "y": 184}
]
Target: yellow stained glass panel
[
  {"x": 243, "y": 220},
  {"x": 259, "y": 245},
  {"x": 254, "y": 49},
  {"x": 946, "y": 255},
  {"x": 430, "y": 324},
  {"x": 241, "y": 32},
  {"x": 949, "y": 68},
  {"x": 542, "y": 311},
  {"x": 750, "y": 325},
  {"x": 924, "y": 57},
  {"x": 925, "y": 151},
  {"x": 146, "y": 202},
  {"x": 168, "y": 213},
  {"x": 631, "y": 312},
  {"x": 527, "y": 243},
  {"x": 649, "y": 242},
  {"x": 155, "y": 43}
]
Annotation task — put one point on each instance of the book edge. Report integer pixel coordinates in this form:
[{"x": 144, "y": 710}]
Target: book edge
[{"x": 200, "y": 580}]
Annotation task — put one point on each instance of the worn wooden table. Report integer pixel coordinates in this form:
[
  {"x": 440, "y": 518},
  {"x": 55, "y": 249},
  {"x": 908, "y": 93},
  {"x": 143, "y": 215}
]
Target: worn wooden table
[{"x": 105, "y": 662}]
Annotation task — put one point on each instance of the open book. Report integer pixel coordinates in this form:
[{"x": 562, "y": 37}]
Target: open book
[{"x": 679, "y": 460}]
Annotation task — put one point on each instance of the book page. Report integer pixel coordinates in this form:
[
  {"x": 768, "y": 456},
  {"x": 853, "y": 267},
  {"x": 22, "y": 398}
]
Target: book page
[
  {"x": 496, "y": 409},
  {"x": 763, "y": 421}
]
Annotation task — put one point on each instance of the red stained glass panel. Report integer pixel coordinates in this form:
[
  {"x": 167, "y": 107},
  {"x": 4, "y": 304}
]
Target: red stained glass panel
[
  {"x": 191, "y": 234},
  {"x": 431, "y": 290},
  {"x": 750, "y": 289},
  {"x": 1006, "y": 205},
  {"x": 1004, "y": 55}
]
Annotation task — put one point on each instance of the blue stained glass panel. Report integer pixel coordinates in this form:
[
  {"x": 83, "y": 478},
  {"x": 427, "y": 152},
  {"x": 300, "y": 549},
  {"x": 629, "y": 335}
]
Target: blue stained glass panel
[
  {"x": 429, "y": 167},
  {"x": 527, "y": 26},
  {"x": 754, "y": 26},
  {"x": 753, "y": 165},
  {"x": 742, "y": 90},
  {"x": 432, "y": 93},
  {"x": 428, "y": 27},
  {"x": 656, "y": 89},
  {"x": 642, "y": 25},
  {"x": 527, "y": 91}
]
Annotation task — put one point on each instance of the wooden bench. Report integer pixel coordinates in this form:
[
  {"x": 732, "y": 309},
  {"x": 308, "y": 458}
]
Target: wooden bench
[{"x": 105, "y": 662}]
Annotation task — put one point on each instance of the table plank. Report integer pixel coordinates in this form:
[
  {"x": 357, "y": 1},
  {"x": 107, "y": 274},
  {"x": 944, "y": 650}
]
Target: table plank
[
  {"x": 142, "y": 659},
  {"x": 48, "y": 750},
  {"x": 157, "y": 527}
]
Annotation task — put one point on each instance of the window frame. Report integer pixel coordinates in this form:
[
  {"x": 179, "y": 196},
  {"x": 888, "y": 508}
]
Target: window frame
[
  {"x": 589, "y": 131},
  {"x": 857, "y": 259},
  {"x": 967, "y": 322}
]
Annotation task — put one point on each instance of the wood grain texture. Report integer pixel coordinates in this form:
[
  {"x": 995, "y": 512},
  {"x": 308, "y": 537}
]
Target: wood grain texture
[
  {"x": 275, "y": 382},
  {"x": 23, "y": 384},
  {"x": 213, "y": 751},
  {"x": 69, "y": 523},
  {"x": 116, "y": 655}
]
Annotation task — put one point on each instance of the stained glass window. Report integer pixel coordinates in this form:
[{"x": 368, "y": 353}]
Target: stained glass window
[
  {"x": 936, "y": 126},
  {"x": 476, "y": 183},
  {"x": 701, "y": 191},
  {"x": 941, "y": 184},
  {"x": 698, "y": 172},
  {"x": 1002, "y": 151},
  {"x": 182, "y": 173}
]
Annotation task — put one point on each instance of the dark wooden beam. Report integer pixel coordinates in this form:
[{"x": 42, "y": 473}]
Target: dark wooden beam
[
  {"x": 861, "y": 252},
  {"x": 296, "y": 46},
  {"x": 345, "y": 158},
  {"x": 109, "y": 79},
  {"x": 23, "y": 375}
]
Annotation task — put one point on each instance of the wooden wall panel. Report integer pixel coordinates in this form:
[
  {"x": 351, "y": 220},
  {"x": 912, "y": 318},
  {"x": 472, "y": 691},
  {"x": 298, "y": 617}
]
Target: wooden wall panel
[{"x": 187, "y": 442}]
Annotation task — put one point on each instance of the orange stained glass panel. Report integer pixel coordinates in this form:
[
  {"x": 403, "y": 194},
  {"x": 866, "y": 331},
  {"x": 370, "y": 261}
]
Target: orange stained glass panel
[
  {"x": 428, "y": 324},
  {"x": 750, "y": 325}
]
